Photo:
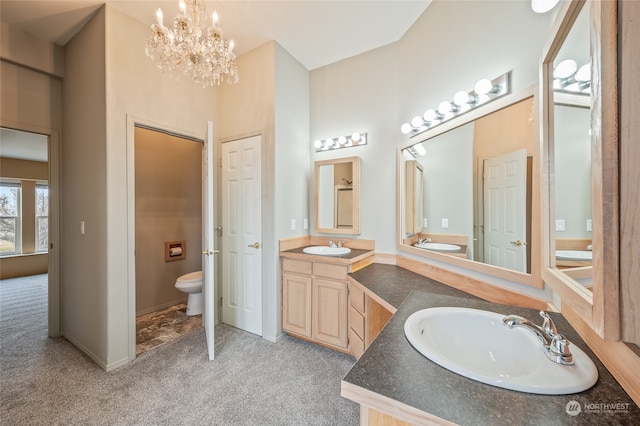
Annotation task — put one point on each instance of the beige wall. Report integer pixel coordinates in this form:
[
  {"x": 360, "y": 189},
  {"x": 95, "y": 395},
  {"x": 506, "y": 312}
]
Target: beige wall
[
  {"x": 83, "y": 266},
  {"x": 168, "y": 206},
  {"x": 24, "y": 169}
]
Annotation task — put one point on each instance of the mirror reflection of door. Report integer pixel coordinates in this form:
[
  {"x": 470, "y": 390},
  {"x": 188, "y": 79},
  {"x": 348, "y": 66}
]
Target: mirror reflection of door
[
  {"x": 335, "y": 196},
  {"x": 505, "y": 179}
]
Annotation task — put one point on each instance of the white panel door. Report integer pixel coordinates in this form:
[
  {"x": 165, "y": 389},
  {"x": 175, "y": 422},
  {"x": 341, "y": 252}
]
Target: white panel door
[
  {"x": 505, "y": 192},
  {"x": 242, "y": 234},
  {"x": 208, "y": 251}
]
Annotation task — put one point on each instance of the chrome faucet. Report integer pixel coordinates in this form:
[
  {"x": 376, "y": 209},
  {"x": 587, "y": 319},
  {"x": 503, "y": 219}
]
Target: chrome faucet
[
  {"x": 332, "y": 244},
  {"x": 424, "y": 240},
  {"x": 556, "y": 346}
]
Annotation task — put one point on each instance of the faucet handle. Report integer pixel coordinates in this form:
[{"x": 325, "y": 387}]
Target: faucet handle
[
  {"x": 548, "y": 326},
  {"x": 558, "y": 350}
]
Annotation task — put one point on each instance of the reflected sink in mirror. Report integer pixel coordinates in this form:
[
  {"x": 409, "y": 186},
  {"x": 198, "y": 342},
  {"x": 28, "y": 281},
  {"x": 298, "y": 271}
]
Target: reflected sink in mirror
[
  {"x": 477, "y": 345},
  {"x": 326, "y": 250},
  {"x": 581, "y": 255},
  {"x": 438, "y": 246}
]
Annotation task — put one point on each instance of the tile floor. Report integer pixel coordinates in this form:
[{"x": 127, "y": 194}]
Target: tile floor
[{"x": 160, "y": 327}]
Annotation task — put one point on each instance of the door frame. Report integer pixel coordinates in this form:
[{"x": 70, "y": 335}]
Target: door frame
[
  {"x": 133, "y": 122},
  {"x": 53, "y": 267}
]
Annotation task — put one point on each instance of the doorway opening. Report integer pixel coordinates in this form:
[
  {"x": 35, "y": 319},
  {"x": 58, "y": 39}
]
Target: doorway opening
[
  {"x": 168, "y": 233},
  {"x": 29, "y": 213}
]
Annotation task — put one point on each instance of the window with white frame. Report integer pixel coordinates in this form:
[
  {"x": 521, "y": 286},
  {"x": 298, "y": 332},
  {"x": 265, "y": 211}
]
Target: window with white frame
[
  {"x": 42, "y": 217},
  {"x": 10, "y": 218}
]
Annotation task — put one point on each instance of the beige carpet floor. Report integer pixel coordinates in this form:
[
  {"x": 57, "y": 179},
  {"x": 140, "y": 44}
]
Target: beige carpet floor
[{"x": 252, "y": 381}]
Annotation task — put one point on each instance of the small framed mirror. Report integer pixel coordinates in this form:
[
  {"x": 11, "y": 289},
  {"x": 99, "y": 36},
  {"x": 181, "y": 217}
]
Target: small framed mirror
[{"x": 337, "y": 196}]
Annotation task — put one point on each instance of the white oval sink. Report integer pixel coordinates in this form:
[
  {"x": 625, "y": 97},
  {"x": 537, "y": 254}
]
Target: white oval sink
[
  {"x": 326, "y": 250},
  {"x": 476, "y": 344},
  {"x": 580, "y": 255},
  {"x": 438, "y": 246}
]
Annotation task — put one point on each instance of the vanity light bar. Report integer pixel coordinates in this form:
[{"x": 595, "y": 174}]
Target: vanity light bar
[
  {"x": 355, "y": 139},
  {"x": 567, "y": 77},
  {"x": 483, "y": 92}
]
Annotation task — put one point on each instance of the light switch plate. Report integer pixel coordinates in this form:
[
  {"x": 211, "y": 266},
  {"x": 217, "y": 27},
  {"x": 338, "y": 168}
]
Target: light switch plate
[
  {"x": 589, "y": 225},
  {"x": 425, "y": 222},
  {"x": 306, "y": 223},
  {"x": 445, "y": 223},
  {"x": 293, "y": 224},
  {"x": 560, "y": 225}
]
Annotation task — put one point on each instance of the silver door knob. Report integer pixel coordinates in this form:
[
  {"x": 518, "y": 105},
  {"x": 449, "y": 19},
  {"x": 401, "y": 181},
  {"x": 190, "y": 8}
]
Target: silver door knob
[
  {"x": 210, "y": 252},
  {"x": 255, "y": 245},
  {"x": 516, "y": 243}
]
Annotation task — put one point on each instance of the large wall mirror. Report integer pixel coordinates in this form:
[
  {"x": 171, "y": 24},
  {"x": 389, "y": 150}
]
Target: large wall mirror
[
  {"x": 337, "y": 196},
  {"x": 580, "y": 157},
  {"x": 478, "y": 186}
]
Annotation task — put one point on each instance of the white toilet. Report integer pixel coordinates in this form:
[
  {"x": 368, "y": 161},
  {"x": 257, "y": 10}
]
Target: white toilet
[{"x": 192, "y": 285}]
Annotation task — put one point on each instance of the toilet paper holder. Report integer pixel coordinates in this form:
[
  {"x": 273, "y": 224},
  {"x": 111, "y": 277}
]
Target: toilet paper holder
[{"x": 175, "y": 250}]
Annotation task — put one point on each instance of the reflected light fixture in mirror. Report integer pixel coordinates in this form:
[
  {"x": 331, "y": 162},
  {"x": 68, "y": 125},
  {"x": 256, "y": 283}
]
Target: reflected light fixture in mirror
[
  {"x": 567, "y": 77},
  {"x": 355, "y": 139},
  {"x": 484, "y": 91},
  {"x": 543, "y": 6}
]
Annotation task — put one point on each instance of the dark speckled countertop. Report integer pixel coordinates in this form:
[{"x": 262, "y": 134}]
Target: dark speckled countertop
[{"x": 391, "y": 367}]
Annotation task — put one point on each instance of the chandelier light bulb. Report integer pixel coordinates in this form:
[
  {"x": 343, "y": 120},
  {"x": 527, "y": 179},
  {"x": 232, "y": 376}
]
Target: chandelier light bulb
[
  {"x": 565, "y": 69},
  {"x": 183, "y": 6},
  {"x": 159, "y": 17},
  {"x": 406, "y": 128},
  {"x": 214, "y": 18},
  {"x": 483, "y": 87},
  {"x": 584, "y": 73}
]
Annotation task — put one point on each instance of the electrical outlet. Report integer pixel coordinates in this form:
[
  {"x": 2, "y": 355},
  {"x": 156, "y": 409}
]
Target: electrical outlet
[
  {"x": 589, "y": 225},
  {"x": 445, "y": 223},
  {"x": 560, "y": 225},
  {"x": 306, "y": 223},
  {"x": 424, "y": 222}
]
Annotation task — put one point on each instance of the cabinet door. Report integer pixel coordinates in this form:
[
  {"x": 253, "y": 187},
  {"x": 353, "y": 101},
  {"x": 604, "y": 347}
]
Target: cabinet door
[
  {"x": 330, "y": 312},
  {"x": 296, "y": 304}
]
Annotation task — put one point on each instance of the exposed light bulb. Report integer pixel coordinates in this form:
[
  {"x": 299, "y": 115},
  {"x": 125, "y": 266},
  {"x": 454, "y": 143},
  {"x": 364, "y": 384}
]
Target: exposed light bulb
[
  {"x": 406, "y": 128},
  {"x": 430, "y": 115},
  {"x": 214, "y": 18},
  {"x": 317, "y": 143},
  {"x": 420, "y": 149},
  {"x": 355, "y": 137},
  {"x": 328, "y": 142},
  {"x": 543, "y": 6},
  {"x": 183, "y": 6},
  {"x": 461, "y": 98},
  {"x": 342, "y": 140},
  {"x": 416, "y": 122},
  {"x": 584, "y": 73},
  {"x": 232, "y": 44},
  {"x": 565, "y": 69},
  {"x": 483, "y": 87},
  {"x": 444, "y": 107}
]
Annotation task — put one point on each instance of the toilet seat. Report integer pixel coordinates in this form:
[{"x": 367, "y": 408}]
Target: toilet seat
[{"x": 190, "y": 278}]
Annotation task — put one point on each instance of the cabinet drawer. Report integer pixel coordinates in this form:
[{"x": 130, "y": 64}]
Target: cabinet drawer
[
  {"x": 356, "y": 298},
  {"x": 327, "y": 270},
  {"x": 356, "y": 345},
  {"x": 356, "y": 322},
  {"x": 297, "y": 266}
]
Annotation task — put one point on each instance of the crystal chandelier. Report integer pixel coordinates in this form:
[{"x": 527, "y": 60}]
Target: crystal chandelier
[{"x": 186, "y": 48}]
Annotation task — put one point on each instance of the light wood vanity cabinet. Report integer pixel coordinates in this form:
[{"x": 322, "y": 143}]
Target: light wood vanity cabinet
[
  {"x": 314, "y": 302},
  {"x": 366, "y": 318}
]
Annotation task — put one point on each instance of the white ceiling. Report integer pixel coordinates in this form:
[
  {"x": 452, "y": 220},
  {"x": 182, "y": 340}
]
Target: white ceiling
[
  {"x": 23, "y": 145},
  {"x": 315, "y": 32}
]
